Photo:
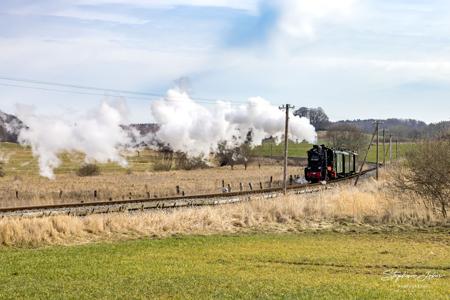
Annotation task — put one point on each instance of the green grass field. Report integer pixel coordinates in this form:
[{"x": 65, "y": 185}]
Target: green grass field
[
  {"x": 300, "y": 149},
  {"x": 21, "y": 161},
  {"x": 309, "y": 266},
  {"x": 272, "y": 149}
]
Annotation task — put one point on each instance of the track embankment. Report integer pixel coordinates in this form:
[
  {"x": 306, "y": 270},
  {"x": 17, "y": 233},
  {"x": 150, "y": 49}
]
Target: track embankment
[{"x": 87, "y": 208}]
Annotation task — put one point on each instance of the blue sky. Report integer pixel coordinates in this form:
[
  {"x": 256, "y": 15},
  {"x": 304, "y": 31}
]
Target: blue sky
[{"x": 354, "y": 58}]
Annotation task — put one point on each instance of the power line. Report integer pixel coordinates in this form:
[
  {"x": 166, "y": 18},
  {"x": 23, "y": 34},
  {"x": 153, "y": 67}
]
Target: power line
[
  {"x": 96, "y": 94},
  {"x": 138, "y": 95}
]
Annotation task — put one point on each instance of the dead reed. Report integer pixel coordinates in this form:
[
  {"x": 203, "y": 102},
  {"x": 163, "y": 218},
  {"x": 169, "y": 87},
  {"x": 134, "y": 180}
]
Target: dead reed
[{"x": 370, "y": 205}]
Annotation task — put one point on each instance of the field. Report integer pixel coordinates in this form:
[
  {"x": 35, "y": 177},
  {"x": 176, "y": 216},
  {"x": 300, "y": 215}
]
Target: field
[
  {"x": 347, "y": 242},
  {"x": 20, "y": 161},
  {"x": 33, "y": 190},
  {"x": 116, "y": 183},
  {"x": 306, "y": 265},
  {"x": 299, "y": 150}
]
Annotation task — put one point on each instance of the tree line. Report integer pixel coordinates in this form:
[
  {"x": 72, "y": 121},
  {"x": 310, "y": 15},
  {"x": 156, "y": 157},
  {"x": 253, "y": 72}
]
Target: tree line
[{"x": 403, "y": 129}]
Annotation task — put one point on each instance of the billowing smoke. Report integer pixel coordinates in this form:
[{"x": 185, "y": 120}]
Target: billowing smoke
[
  {"x": 184, "y": 125},
  {"x": 97, "y": 134},
  {"x": 190, "y": 127}
]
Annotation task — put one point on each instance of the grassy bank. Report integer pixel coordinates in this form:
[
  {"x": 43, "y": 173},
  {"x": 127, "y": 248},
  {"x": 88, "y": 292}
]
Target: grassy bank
[{"x": 326, "y": 265}]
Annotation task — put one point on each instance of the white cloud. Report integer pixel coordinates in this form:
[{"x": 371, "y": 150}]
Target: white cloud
[
  {"x": 438, "y": 69},
  {"x": 94, "y": 59},
  {"x": 249, "y": 5},
  {"x": 300, "y": 18},
  {"x": 96, "y": 16}
]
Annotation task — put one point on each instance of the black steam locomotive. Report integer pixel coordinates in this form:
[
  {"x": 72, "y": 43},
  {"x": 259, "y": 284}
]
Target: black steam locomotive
[{"x": 328, "y": 164}]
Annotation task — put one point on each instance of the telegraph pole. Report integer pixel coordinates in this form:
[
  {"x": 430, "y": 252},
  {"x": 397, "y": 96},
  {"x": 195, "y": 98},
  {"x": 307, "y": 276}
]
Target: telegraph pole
[
  {"x": 384, "y": 147},
  {"x": 286, "y": 131},
  {"x": 365, "y": 157},
  {"x": 390, "y": 148},
  {"x": 378, "y": 142},
  {"x": 396, "y": 149}
]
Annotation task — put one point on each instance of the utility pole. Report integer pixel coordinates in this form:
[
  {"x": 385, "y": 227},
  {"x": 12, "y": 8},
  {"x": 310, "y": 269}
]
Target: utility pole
[
  {"x": 396, "y": 149},
  {"x": 365, "y": 157},
  {"x": 286, "y": 131},
  {"x": 377, "y": 128},
  {"x": 384, "y": 147},
  {"x": 390, "y": 148}
]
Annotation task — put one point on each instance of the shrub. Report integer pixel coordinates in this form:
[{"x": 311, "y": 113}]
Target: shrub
[
  {"x": 190, "y": 163},
  {"x": 426, "y": 173},
  {"x": 88, "y": 170},
  {"x": 346, "y": 137},
  {"x": 162, "y": 165}
]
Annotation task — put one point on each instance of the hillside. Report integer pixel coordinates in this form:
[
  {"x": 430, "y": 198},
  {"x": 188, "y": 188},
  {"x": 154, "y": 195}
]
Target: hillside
[{"x": 404, "y": 129}]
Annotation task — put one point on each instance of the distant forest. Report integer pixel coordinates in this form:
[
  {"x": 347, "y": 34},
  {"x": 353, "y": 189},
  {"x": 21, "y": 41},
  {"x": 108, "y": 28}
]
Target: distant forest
[{"x": 403, "y": 129}]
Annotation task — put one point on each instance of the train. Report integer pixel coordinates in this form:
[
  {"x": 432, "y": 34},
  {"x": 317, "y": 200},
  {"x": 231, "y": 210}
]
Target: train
[{"x": 326, "y": 164}]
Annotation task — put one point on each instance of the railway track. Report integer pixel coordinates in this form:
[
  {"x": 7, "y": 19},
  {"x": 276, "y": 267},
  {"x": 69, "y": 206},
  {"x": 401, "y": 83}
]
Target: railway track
[{"x": 83, "y": 209}]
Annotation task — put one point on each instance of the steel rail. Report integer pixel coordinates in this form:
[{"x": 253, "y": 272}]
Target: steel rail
[{"x": 225, "y": 195}]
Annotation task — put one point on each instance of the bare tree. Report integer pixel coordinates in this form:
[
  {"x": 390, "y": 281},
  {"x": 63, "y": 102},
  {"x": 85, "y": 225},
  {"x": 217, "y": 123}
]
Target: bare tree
[
  {"x": 427, "y": 174},
  {"x": 166, "y": 154},
  {"x": 185, "y": 162},
  {"x": 317, "y": 116},
  {"x": 346, "y": 137},
  {"x": 236, "y": 152}
]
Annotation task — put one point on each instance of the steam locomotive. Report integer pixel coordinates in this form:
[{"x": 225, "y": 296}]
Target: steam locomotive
[{"x": 328, "y": 164}]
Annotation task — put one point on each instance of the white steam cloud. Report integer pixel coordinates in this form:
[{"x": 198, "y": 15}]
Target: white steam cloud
[
  {"x": 190, "y": 127},
  {"x": 185, "y": 125},
  {"x": 98, "y": 135}
]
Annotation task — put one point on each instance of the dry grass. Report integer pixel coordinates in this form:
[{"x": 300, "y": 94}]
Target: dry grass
[
  {"x": 33, "y": 190},
  {"x": 341, "y": 208},
  {"x": 22, "y": 185}
]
